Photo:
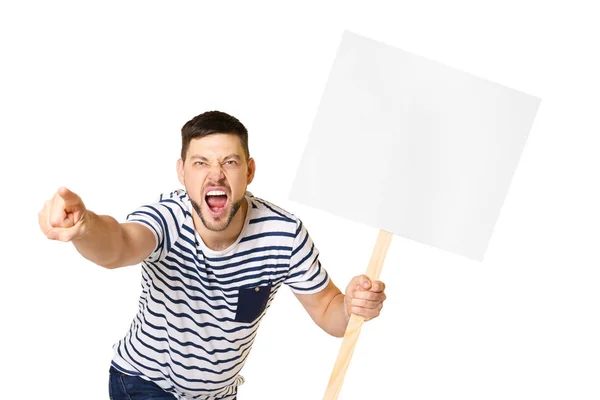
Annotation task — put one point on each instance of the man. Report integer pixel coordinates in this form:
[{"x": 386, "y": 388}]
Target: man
[{"x": 213, "y": 256}]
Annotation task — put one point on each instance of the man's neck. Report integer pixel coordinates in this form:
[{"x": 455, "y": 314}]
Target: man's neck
[{"x": 221, "y": 240}]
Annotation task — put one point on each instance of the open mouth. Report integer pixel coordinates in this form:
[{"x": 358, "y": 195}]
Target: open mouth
[{"x": 216, "y": 200}]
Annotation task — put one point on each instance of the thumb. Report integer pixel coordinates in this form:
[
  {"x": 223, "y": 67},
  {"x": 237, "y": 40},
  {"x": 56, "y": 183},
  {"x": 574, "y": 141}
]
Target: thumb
[
  {"x": 364, "y": 282},
  {"x": 360, "y": 282}
]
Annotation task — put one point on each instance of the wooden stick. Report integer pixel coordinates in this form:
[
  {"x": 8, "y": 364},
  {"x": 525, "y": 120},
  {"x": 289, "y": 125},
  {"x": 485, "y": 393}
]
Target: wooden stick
[{"x": 355, "y": 324}]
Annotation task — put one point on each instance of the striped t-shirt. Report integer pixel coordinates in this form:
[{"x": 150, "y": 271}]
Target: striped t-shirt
[{"x": 199, "y": 309}]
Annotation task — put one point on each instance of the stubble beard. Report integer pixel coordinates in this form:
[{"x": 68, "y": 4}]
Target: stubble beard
[{"x": 218, "y": 227}]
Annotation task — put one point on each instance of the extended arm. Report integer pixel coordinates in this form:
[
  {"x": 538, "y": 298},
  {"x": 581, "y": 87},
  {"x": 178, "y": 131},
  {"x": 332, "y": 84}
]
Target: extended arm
[{"x": 99, "y": 238}]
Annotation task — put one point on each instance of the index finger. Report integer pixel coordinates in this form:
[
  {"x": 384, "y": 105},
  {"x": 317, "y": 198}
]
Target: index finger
[{"x": 69, "y": 197}]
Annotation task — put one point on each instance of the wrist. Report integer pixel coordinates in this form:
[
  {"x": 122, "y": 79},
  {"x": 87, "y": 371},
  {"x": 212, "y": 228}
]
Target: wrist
[
  {"x": 345, "y": 306},
  {"x": 86, "y": 224}
]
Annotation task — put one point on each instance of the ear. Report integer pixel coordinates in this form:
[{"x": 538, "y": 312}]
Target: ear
[
  {"x": 180, "y": 172},
  {"x": 251, "y": 170}
]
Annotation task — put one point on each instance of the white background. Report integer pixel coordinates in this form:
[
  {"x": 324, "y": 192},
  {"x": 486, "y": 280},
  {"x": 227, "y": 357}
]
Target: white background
[{"x": 93, "y": 96}]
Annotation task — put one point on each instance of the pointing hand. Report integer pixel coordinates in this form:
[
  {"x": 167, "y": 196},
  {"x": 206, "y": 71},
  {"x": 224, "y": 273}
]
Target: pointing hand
[{"x": 63, "y": 216}]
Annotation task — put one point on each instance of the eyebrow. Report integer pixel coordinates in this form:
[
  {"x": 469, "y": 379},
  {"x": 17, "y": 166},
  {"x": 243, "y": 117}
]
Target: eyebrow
[{"x": 202, "y": 158}]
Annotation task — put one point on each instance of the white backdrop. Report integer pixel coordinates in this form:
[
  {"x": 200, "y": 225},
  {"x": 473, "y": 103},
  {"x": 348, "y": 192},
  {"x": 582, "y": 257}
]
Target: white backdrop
[{"x": 93, "y": 95}]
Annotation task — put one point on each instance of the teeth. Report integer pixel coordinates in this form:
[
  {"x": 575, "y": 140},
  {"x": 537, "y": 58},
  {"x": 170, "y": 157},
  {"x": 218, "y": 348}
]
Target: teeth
[{"x": 216, "y": 193}]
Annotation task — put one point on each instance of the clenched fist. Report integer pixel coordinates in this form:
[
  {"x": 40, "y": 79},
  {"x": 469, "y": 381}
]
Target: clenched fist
[
  {"x": 364, "y": 297},
  {"x": 63, "y": 216}
]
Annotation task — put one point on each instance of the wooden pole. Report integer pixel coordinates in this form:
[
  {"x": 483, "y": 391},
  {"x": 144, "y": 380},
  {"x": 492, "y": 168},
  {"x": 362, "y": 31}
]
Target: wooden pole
[{"x": 355, "y": 324}]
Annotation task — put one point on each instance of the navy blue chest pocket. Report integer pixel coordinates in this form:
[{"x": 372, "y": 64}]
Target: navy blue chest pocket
[{"x": 251, "y": 303}]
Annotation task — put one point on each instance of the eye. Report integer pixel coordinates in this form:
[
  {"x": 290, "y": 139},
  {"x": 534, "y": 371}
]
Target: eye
[
  {"x": 199, "y": 163},
  {"x": 230, "y": 162}
]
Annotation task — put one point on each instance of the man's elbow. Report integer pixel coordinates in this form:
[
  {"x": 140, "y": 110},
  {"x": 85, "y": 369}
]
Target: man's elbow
[
  {"x": 111, "y": 265},
  {"x": 114, "y": 263},
  {"x": 119, "y": 263}
]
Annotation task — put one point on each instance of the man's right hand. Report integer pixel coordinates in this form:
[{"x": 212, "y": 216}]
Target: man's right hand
[{"x": 63, "y": 216}]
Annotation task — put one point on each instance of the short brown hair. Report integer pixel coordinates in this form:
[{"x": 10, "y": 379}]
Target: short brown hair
[{"x": 212, "y": 122}]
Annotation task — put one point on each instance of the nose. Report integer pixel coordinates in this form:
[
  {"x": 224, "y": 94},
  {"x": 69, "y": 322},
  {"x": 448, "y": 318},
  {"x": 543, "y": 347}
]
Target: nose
[{"x": 215, "y": 173}]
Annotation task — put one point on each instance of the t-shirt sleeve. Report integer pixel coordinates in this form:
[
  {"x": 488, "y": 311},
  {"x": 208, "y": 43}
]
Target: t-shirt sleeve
[
  {"x": 306, "y": 275},
  {"x": 161, "y": 219}
]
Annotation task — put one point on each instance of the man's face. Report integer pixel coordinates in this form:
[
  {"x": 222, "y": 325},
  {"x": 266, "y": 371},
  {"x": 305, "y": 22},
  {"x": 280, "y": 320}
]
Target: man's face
[{"x": 215, "y": 174}]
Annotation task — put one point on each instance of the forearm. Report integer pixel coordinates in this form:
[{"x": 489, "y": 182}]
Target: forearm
[
  {"x": 102, "y": 241},
  {"x": 335, "y": 319}
]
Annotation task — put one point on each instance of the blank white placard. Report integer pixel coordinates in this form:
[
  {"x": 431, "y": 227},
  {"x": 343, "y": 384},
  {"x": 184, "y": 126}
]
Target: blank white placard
[{"x": 408, "y": 145}]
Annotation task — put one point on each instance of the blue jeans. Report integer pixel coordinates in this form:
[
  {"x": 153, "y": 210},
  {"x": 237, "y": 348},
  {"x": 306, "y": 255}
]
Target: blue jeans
[{"x": 126, "y": 387}]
